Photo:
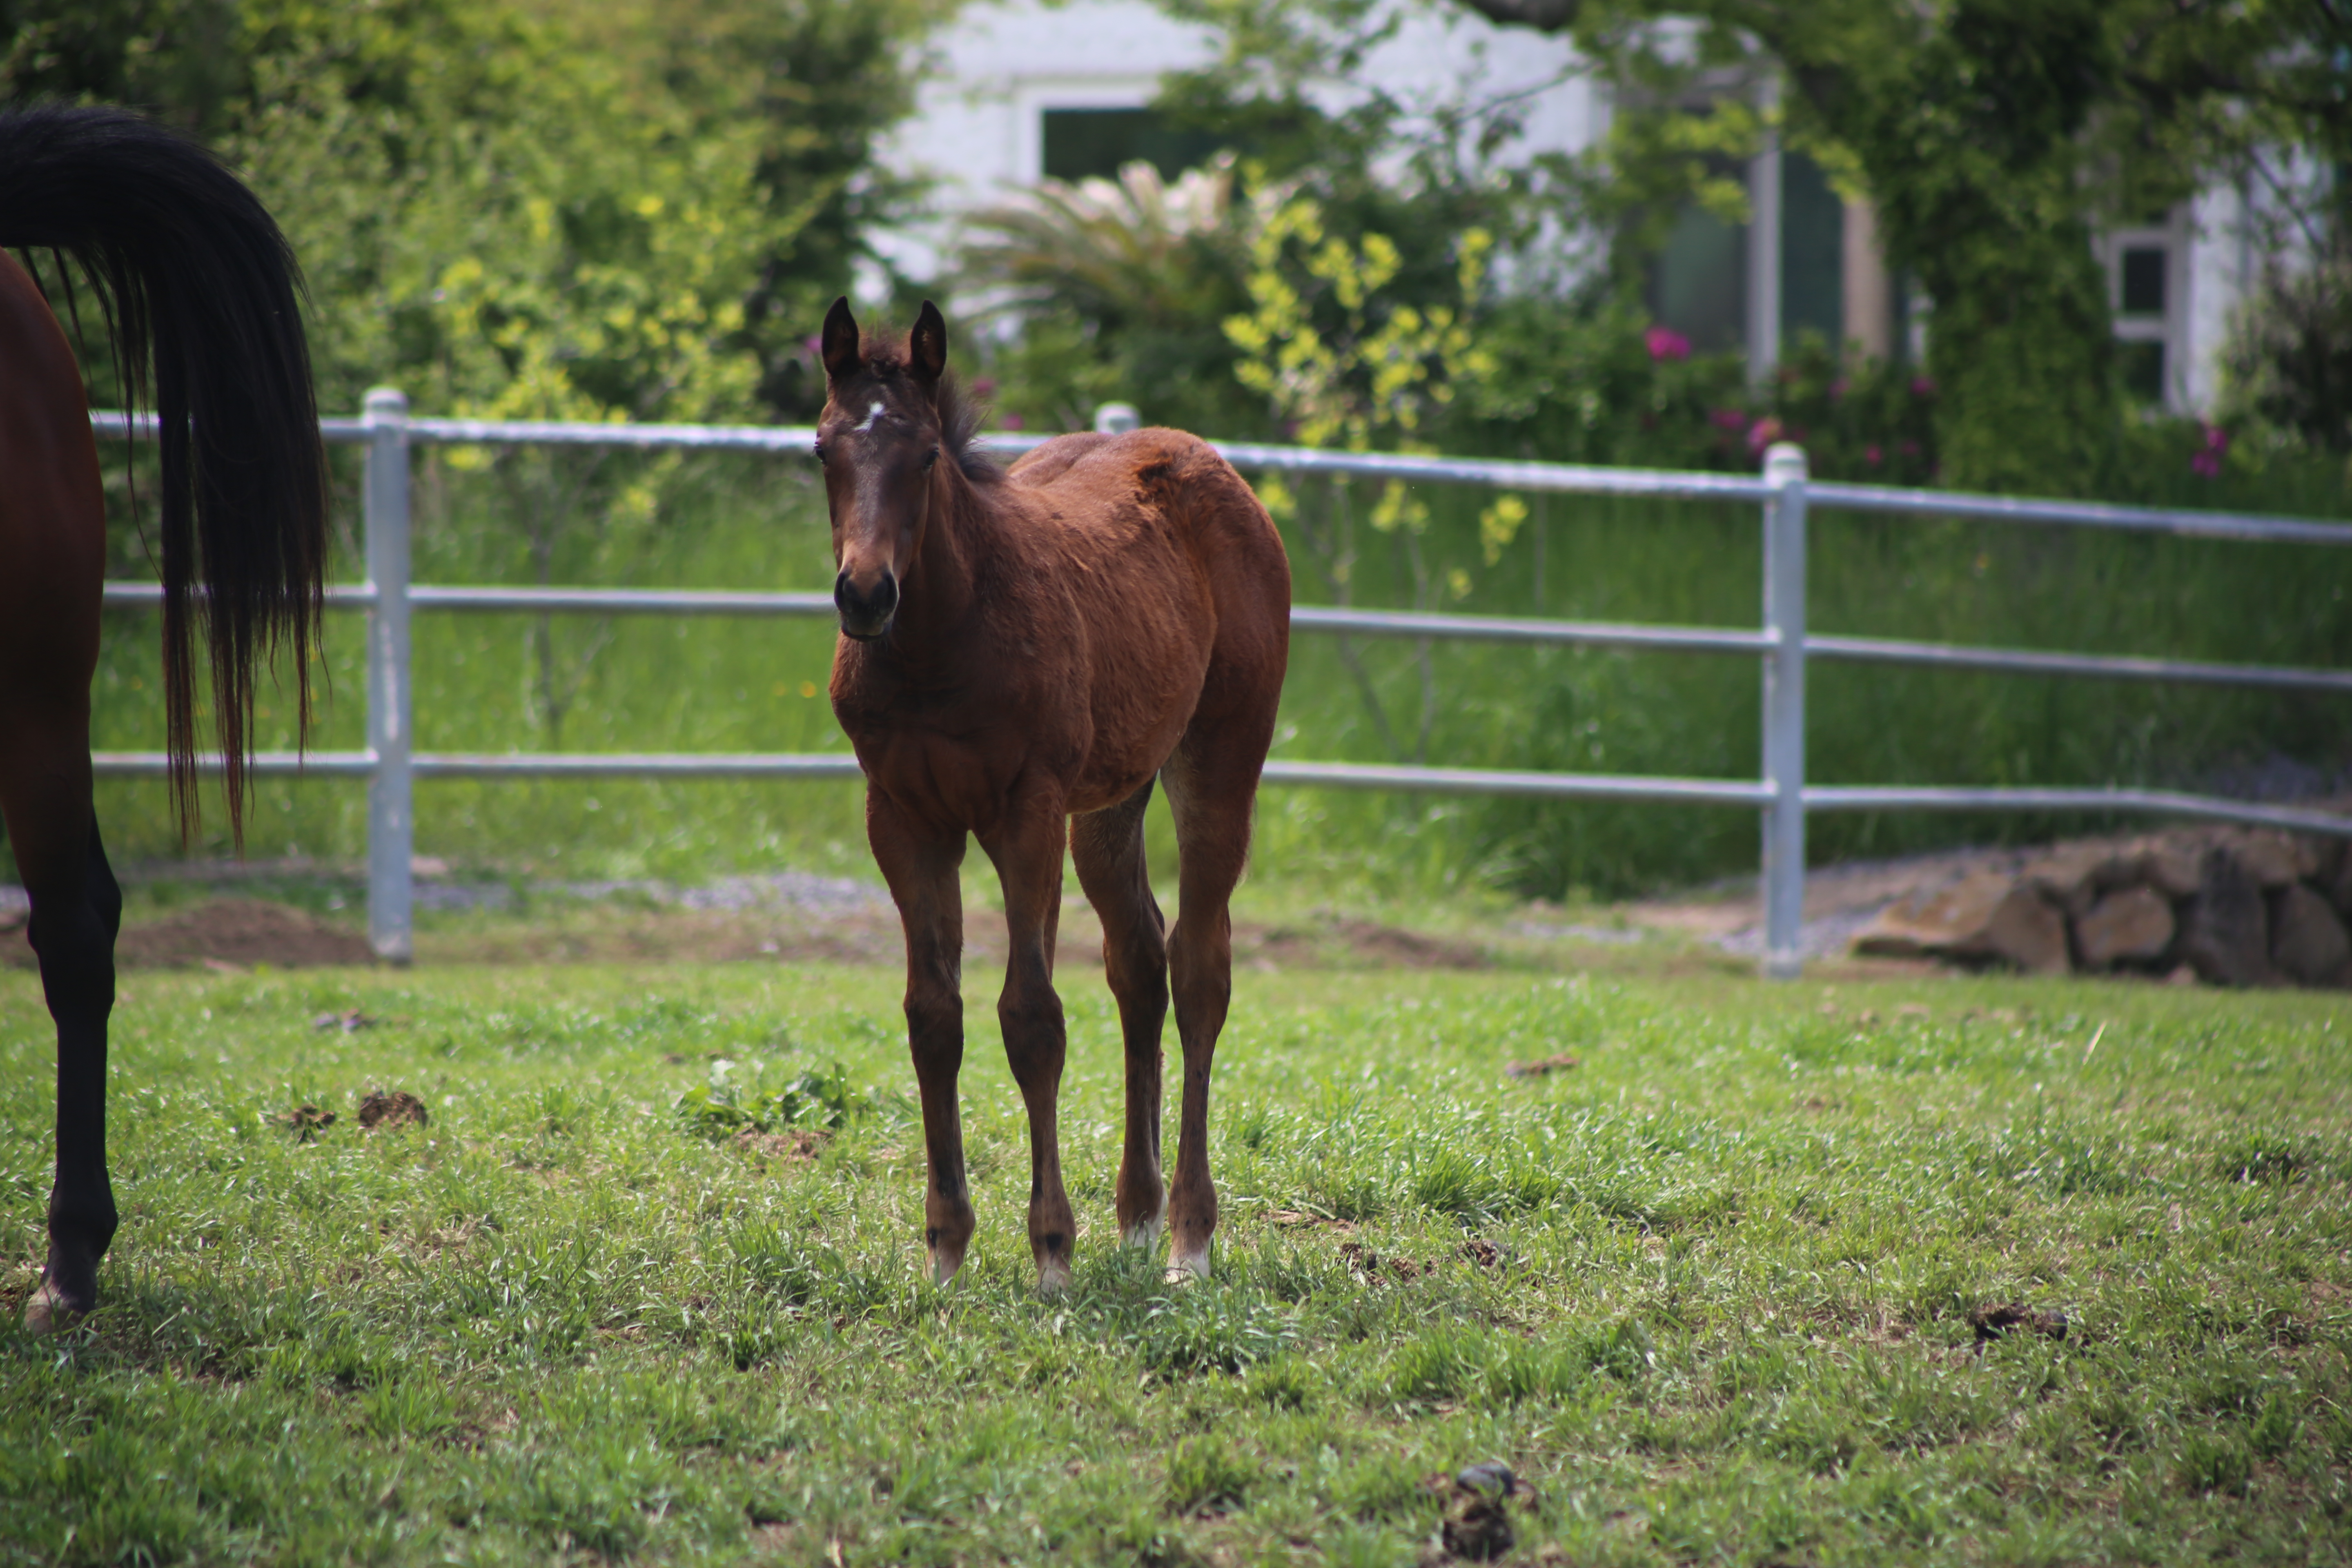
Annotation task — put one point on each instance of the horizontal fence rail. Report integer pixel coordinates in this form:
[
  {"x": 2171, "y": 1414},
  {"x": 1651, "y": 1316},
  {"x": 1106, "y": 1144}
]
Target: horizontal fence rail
[{"x": 391, "y": 763}]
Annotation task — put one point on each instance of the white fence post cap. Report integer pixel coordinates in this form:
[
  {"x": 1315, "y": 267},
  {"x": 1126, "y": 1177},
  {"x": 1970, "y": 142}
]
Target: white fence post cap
[
  {"x": 1118, "y": 418},
  {"x": 1783, "y": 461}
]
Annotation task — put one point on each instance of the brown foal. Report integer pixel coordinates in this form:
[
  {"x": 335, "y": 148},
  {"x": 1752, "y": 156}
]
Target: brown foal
[{"x": 1022, "y": 653}]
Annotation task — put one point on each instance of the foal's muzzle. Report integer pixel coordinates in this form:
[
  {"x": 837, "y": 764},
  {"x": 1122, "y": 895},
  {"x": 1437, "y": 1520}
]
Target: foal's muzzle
[{"x": 865, "y": 615}]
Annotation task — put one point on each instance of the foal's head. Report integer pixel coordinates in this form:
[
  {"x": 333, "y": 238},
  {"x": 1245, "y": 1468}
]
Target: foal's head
[{"x": 892, "y": 430}]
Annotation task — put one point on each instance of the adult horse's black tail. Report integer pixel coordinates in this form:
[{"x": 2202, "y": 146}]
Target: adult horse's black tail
[{"x": 193, "y": 270}]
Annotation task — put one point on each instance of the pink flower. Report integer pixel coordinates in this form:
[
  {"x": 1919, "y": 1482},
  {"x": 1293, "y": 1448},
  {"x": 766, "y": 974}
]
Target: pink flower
[
  {"x": 2206, "y": 461},
  {"x": 1763, "y": 433},
  {"x": 1727, "y": 419},
  {"x": 1872, "y": 456},
  {"x": 1923, "y": 386},
  {"x": 1011, "y": 422},
  {"x": 1665, "y": 343},
  {"x": 984, "y": 387}
]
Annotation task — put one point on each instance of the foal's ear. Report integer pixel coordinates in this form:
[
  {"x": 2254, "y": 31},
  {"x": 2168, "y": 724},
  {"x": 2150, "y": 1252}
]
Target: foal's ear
[
  {"x": 927, "y": 344},
  {"x": 839, "y": 344}
]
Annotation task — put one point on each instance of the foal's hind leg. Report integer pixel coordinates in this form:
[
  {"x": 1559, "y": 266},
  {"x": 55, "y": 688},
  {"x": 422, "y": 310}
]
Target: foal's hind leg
[
  {"x": 1211, "y": 783},
  {"x": 77, "y": 909},
  {"x": 1107, "y": 846}
]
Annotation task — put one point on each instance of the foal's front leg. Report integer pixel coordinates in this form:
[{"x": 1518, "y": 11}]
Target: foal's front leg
[
  {"x": 921, "y": 868},
  {"x": 1027, "y": 850}
]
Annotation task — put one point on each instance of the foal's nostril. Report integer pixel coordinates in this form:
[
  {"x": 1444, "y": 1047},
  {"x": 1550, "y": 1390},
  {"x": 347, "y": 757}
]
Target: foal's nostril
[{"x": 865, "y": 613}]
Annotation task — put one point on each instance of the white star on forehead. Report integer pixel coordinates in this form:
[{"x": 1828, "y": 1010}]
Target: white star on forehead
[{"x": 873, "y": 414}]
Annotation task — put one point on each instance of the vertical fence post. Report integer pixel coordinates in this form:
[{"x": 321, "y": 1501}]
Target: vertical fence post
[
  {"x": 1784, "y": 710},
  {"x": 392, "y": 816}
]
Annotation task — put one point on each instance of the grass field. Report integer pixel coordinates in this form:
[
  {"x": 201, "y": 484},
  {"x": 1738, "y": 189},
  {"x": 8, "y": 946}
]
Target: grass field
[{"x": 1724, "y": 1316}]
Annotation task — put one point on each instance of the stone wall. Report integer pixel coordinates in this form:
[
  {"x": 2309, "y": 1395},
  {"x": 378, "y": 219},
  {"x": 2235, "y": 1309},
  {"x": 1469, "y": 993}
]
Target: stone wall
[{"x": 2228, "y": 906}]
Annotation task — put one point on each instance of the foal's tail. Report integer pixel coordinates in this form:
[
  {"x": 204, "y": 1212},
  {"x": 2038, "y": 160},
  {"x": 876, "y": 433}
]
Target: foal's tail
[{"x": 190, "y": 268}]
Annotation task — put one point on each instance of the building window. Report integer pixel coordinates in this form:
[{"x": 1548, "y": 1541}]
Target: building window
[
  {"x": 1096, "y": 143},
  {"x": 2148, "y": 292},
  {"x": 2143, "y": 281},
  {"x": 1698, "y": 282}
]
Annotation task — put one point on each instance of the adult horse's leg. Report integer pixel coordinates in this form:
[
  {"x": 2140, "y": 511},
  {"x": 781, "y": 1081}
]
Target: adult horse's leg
[
  {"x": 1027, "y": 850},
  {"x": 1108, "y": 847},
  {"x": 1211, "y": 783},
  {"x": 920, "y": 866},
  {"x": 77, "y": 909}
]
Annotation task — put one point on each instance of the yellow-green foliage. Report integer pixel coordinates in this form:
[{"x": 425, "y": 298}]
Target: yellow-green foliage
[{"x": 506, "y": 225}]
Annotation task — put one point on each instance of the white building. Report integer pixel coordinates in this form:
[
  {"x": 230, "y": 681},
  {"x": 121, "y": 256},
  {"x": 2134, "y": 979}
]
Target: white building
[{"x": 1022, "y": 90}]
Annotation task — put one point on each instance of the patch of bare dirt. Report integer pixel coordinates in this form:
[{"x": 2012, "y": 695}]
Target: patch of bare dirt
[
  {"x": 306, "y": 1121},
  {"x": 234, "y": 932},
  {"x": 1994, "y": 1322},
  {"x": 398, "y": 1109},
  {"x": 1542, "y": 1068},
  {"x": 795, "y": 1148},
  {"x": 1370, "y": 1266},
  {"x": 868, "y": 936},
  {"x": 1350, "y": 945}
]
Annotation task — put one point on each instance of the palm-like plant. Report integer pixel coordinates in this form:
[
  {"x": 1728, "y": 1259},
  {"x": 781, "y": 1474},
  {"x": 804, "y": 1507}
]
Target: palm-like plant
[{"x": 1140, "y": 252}]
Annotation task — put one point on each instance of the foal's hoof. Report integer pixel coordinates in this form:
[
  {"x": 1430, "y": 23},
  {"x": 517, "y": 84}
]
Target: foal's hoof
[
  {"x": 1053, "y": 1277},
  {"x": 52, "y": 1312},
  {"x": 944, "y": 1268},
  {"x": 1144, "y": 1235},
  {"x": 1185, "y": 1267}
]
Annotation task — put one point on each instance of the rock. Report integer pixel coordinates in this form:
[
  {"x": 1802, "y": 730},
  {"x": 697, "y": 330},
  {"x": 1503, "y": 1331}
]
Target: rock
[
  {"x": 2074, "y": 875},
  {"x": 2134, "y": 925},
  {"x": 2028, "y": 930},
  {"x": 2339, "y": 886},
  {"x": 2272, "y": 858},
  {"x": 2308, "y": 944},
  {"x": 1984, "y": 915},
  {"x": 2173, "y": 866},
  {"x": 2225, "y": 929},
  {"x": 1943, "y": 920}
]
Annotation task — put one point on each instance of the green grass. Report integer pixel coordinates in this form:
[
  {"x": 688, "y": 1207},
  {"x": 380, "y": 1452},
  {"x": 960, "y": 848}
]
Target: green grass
[{"x": 562, "y": 1323}]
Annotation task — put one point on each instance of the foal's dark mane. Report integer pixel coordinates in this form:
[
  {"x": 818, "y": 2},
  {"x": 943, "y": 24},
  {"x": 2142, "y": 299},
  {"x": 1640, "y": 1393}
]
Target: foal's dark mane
[{"x": 959, "y": 414}]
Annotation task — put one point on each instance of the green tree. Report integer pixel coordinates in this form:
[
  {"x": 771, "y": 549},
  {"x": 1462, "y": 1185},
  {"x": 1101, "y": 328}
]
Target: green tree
[{"x": 1992, "y": 134}]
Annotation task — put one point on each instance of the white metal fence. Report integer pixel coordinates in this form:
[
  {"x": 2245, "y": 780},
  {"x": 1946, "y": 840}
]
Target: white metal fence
[{"x": 391, "y": 763}]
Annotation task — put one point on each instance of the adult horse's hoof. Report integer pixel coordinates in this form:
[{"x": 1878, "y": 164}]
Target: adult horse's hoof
[
  {"x": 1053, "y": 1277},
  {"x": 1143, "y": 1236},
  {"x": 1185, "y": 1267},
  {"x": 52, "y": 1312}
]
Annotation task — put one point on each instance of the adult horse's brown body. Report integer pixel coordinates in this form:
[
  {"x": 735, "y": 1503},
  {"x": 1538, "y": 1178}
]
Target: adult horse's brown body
[
  {"x": 1022, "y": 654},
  {"x": 185, "y": 258}
]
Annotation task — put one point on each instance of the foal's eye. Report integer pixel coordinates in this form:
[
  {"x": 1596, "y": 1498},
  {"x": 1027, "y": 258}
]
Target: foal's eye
[
  {"x": 930, "y": 457},
  {"x": 819, "y": 450}
]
